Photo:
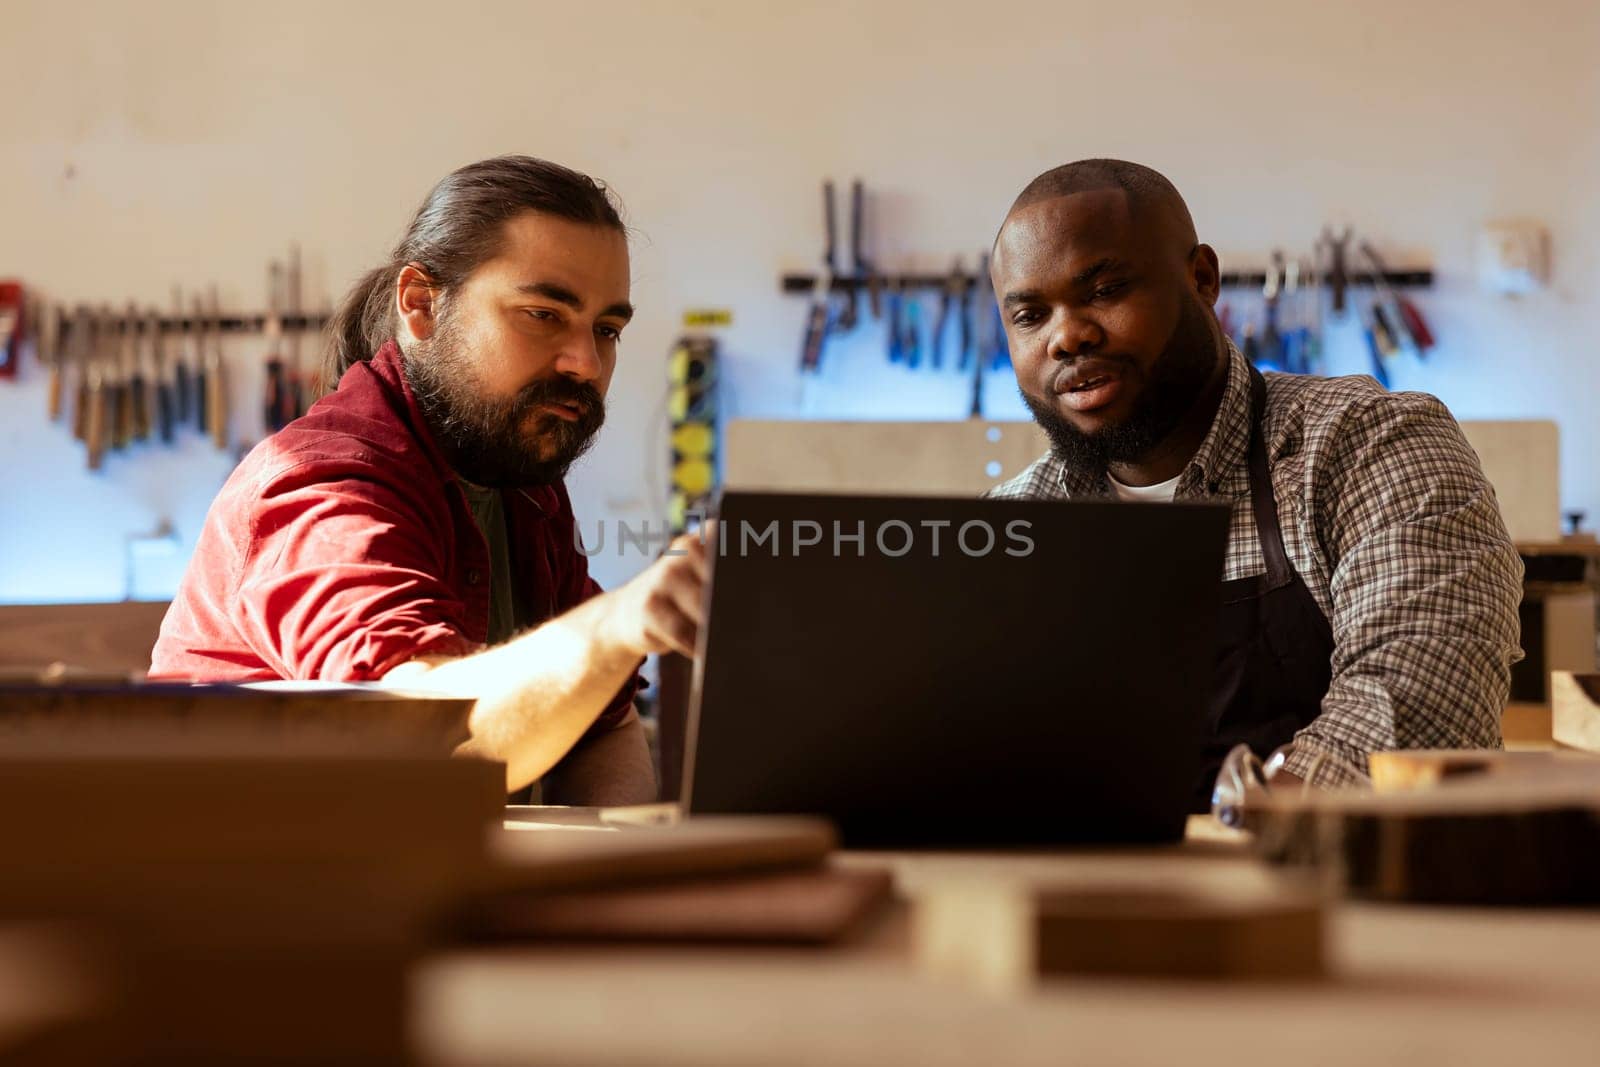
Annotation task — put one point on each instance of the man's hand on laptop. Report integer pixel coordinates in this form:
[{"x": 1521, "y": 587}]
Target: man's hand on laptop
[{"x": 661, "y": 609}]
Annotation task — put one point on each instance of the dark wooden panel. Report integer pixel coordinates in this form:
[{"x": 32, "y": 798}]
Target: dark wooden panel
[{"x": 102, "y": 637}]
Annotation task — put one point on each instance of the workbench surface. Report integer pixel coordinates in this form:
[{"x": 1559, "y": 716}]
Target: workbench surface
[{"x": 1407, "y": 985}]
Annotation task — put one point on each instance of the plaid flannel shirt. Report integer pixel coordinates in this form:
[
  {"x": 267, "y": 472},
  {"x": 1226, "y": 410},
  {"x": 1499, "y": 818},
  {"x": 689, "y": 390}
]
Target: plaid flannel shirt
[{"x": 1389, "y": 521}]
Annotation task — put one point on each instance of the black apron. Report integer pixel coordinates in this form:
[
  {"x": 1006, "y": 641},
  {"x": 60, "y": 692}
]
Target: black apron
[{"x": 1274, "y": 645}]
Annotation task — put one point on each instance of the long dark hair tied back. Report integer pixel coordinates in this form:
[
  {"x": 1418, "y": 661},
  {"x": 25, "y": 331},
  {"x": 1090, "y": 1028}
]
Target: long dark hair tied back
[{"x": 457, "y": 228}]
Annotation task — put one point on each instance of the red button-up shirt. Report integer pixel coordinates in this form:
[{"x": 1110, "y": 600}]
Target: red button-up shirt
[{"x": 343, "y": 546}]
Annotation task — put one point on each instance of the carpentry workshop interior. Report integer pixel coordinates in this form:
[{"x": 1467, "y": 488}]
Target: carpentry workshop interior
[{"x": 842, "y": 533}]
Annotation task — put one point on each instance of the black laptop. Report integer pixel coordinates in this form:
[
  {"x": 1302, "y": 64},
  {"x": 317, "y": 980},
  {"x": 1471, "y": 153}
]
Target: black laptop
[{"x": 952, "y": 672}]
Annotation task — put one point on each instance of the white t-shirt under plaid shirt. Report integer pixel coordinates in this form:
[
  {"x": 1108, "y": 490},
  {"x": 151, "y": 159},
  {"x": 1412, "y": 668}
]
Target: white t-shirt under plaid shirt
[{"x": 1390, "y": 523}]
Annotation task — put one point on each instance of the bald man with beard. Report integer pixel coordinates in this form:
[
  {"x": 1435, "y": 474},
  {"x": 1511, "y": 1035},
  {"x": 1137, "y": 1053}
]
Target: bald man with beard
[{"x": 1370, "y": 590}]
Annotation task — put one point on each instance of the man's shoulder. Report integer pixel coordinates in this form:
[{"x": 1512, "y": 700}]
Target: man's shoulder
[
  {"x": 337, "y": 441},
  {"x": 1345, "y": 410},
  {"x": 1039, "y": 480}
]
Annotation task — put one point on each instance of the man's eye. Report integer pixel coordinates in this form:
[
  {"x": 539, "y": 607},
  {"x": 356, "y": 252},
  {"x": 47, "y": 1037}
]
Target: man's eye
[
  {"x": 541, "y": 314},
  {"x": 1024, "y": 319},
  {"x": 1109, "y": 290},
  {"x": 612, "y": 333}
]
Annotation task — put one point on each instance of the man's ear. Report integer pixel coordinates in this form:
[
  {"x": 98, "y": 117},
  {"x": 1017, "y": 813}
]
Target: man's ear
[
  {"x": 414, "y": 295},
  {"x": 1205, "y": 273}
]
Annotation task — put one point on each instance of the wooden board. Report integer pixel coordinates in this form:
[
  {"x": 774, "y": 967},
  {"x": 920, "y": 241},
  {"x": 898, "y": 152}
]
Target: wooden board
[
  {"x": 129, "y": 715},
  {"x": 1575, "y": 710},
  {"x": 1406, "y": 986},
  {"x": 1486, "y": 840},
  {"x": 1407, "y": 769},
  {"x": 566, "y": 856},
  {"x": 1526, "y": 726},
  {"x": 1005, "y": 937},
  {"x": 815, "y": 906},
  {"x": 54, "y": 996},
  {"x": 229, "y": 886},
  {"x": 1520, "y": 458},
  {"x": 951, "y": 458},
  {"x": 101, "y": 637}
]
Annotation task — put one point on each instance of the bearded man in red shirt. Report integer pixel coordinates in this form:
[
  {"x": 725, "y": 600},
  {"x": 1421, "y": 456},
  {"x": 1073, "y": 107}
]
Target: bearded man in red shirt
[{"x": 413, "y": 528}]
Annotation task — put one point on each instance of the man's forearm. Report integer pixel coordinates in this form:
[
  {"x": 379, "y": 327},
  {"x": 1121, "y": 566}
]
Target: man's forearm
[
  {"x": 605, "y": 769},
  {"x": 536, "y": 694}
]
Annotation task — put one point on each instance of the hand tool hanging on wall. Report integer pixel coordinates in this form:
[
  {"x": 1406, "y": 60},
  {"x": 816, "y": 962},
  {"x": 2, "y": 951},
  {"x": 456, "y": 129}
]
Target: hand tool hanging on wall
[
  {"x": 13, "y": 326},
  {"x": 300, "y": 384},
  {"x": 1271, "y": 350},
  {"x": 964, "y": 325},
  {"x": 82, "y": 345},
  {"x": 892, "y": 301},
  {"x": 1291, "y": 322},
  {"x": 862, "y": 269},
  {"x": 276, "y": 399},
  {"x": 1408, "y": 317},
  {"x": 1338, "y": 266},
  {"x": 1001, "y": 353},
  {"x": 139, "y": 377},
  {"x": 216, "y": 387},
  {"x": 983, "y": 307},
  {"x": 161, "y": 367},
  {"x": 992, "y": 346},
  {"x": 849, "y": 309},
  {"x": 48, "y": 341},
  {"x": 96, "y": 419},
  {"x": 952, "y": 301},
  {"x": 1313, "y": 290},
  {"x": 912, "y": 339},
  {"x": 1375, "y": 350},
  {"x": 818, "y": 320},
  {"x": 1383, "y": 330},
  {"x": 119, "y": 399},
  {"x": 179, "y": 351},
  {"x": 202, "y": 386}
]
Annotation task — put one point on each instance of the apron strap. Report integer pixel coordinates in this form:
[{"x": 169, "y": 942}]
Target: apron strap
[{"x": 1262, "y": 499}]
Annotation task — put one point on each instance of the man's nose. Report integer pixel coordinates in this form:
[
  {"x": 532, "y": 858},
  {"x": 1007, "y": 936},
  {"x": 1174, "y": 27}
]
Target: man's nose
[
  {"x": 1076, "y": 335},
  {"x": 579, "y": 357}
]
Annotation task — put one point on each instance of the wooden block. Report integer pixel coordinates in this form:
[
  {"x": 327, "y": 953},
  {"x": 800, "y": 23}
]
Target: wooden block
[
  {"x": 115, "y": 638},
  {"x": 1575, "y": 710},
  {"x": 1487, "y": 840},
  {"x": 954, "y": 457},
  {"x": 261, "y": 905},
  {"x": 1526, "y": 726},
  {"x": 1407, "y": 769},
  {"x": 622, "y": 854},
  {"x": 55, "y": 997},
  {"x": 125, "y": 716},
  {"x": 815, "y": 906},
  {"x": 1004, "y": 937},
  {"x": 1521, "y": 460},
  {"x": 145, "y": 809}
]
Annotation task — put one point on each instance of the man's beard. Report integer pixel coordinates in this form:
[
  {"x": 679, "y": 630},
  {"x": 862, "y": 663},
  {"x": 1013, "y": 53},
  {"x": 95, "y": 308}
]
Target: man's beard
[
  {"x": 1177, "y": 378},
  {"x": 482, "y": 437}
]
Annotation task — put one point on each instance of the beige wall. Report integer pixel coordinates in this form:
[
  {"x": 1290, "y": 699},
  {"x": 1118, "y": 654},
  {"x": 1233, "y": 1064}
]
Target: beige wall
[{"x": 157, "y": 142}]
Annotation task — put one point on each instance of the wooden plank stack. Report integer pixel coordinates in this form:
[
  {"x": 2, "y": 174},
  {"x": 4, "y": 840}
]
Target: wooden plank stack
[
  {"x": 1004, "y": 938},
  {"x": 257, "y": 868},
  {"x": 1520, "y": 834}
]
